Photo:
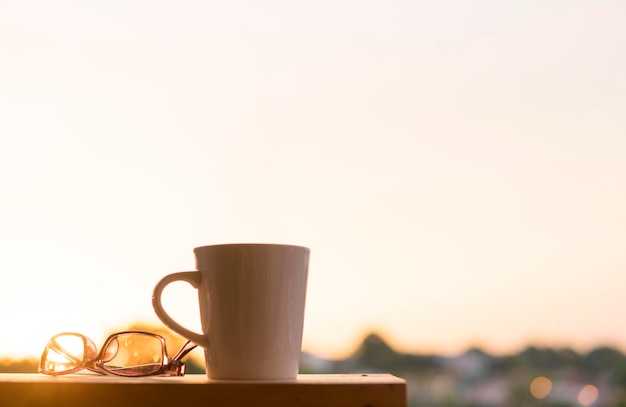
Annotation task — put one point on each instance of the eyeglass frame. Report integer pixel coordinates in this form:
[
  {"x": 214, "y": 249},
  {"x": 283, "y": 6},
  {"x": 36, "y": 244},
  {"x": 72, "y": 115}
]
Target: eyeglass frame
[{"x": 170, "y": 366}]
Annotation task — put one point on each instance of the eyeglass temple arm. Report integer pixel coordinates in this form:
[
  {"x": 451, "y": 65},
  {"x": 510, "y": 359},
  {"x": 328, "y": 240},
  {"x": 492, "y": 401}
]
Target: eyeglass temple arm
[
  {"x": 187, "y": 347},
  {"x": 177, "y": 367}
]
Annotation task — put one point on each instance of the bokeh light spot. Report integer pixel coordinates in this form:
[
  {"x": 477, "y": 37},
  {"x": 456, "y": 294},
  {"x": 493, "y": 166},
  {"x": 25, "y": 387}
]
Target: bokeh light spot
[
  {"x": 588, "y": 395},
  {"x": 540, "y": 387}
]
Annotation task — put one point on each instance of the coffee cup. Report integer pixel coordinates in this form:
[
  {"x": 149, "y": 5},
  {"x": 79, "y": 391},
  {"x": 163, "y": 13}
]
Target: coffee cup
[{"x": 251, "y": 300}]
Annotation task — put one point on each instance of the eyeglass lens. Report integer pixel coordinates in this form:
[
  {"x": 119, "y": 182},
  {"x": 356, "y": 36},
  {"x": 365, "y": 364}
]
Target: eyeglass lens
[
  {"x": 132, "y": 354},
  {"x": 67, "y": 353}
]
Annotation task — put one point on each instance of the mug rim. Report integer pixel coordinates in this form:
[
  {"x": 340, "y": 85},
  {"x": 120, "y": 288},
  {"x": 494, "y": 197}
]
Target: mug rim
[{"x": 275, "y": 245}]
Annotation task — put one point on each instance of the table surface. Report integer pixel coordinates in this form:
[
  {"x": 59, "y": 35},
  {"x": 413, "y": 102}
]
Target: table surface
[{"x": 351, "y": 390}]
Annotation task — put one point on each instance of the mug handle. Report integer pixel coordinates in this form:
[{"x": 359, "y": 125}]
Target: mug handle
[{"x": 193, "y": 278}]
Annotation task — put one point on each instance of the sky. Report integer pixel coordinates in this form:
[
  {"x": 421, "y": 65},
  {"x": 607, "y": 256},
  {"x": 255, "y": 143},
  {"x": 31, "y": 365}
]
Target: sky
[{"x": 458, "y": 169}]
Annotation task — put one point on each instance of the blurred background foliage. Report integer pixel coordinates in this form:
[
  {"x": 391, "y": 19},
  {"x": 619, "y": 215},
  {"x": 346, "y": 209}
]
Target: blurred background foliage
[{"x": 471, "y": 379}]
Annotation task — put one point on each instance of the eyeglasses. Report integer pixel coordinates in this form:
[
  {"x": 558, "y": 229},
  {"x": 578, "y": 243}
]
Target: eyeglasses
[{"x": 128, "y": 353}]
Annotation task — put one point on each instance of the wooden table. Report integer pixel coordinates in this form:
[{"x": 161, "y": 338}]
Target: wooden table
[{"x": 353, "y": 390}]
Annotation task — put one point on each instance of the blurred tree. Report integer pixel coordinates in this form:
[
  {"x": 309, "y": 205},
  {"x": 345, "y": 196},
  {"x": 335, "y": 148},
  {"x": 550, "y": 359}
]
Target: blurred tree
[
  {"x": 375, "y": 355},
  {"x": 603, "y": 359},
  {"x": 548, "y": 358},
  {"x": 29, "y": 365}
]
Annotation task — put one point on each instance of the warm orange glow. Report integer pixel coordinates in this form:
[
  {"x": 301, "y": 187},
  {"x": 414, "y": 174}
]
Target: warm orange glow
[
  {"x": 423, "y": 159},
  {"x": 540, "y": 387}
]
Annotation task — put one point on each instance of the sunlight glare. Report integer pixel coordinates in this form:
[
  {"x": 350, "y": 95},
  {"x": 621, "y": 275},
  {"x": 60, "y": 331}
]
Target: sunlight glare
[{"x": 64, "y": 353}]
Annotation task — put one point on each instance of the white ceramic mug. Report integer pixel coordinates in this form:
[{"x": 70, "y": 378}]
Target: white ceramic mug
[{"x": 251, "y": 299}]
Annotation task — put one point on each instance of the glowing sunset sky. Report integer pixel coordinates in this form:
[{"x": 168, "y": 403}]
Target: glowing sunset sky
[{"x": 457, "y": 168}]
